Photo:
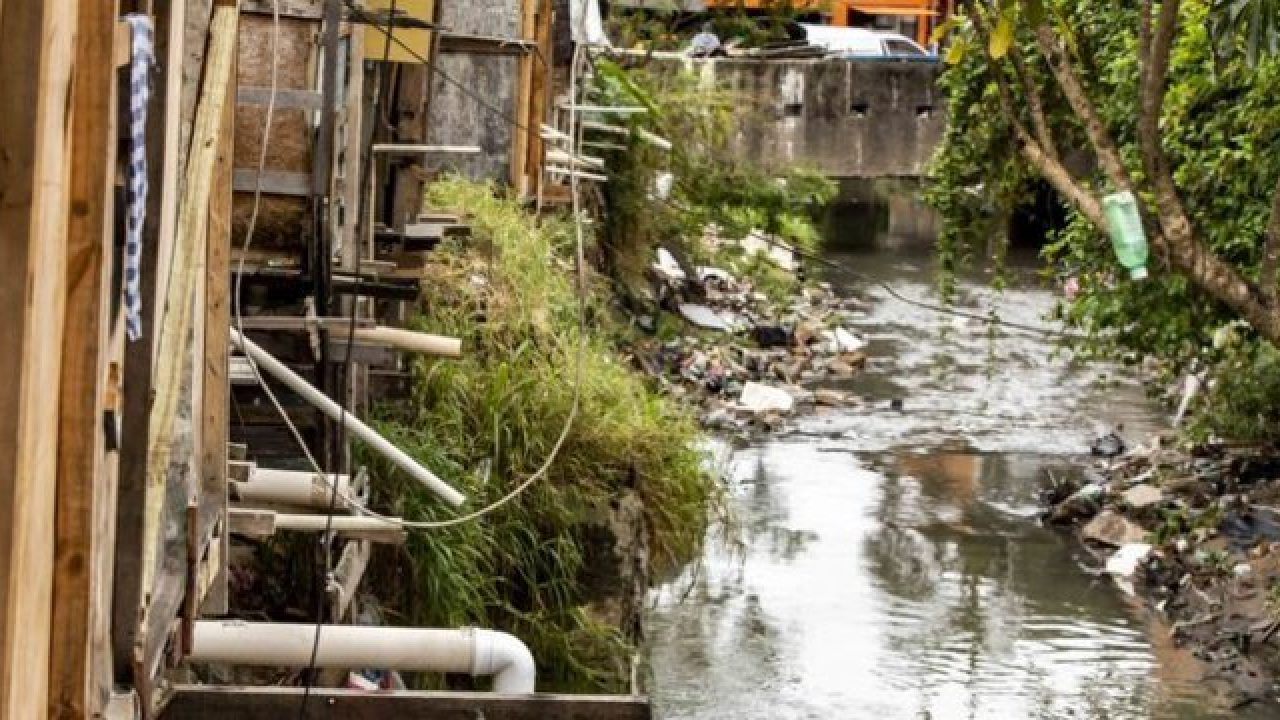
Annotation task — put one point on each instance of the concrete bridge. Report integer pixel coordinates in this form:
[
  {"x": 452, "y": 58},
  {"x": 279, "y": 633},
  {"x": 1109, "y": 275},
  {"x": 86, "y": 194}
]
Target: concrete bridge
[{"x": 847, "y": 118}]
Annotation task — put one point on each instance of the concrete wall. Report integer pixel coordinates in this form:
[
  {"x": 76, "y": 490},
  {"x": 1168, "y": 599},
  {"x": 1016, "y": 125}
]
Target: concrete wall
[{"x": 850, "y": 119}]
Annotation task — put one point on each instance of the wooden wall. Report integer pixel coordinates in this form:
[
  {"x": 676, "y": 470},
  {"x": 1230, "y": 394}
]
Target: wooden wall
[{"x": 456, "y": 118}]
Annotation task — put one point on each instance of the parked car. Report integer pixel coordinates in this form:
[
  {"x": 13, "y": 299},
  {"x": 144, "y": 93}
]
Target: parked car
[{"x": 863, "y": 43}]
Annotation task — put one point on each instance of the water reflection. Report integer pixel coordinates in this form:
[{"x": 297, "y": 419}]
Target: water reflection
[{"x": 920, "y": 590}]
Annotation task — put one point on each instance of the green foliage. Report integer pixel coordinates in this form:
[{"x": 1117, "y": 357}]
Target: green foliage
[
  {"x": 713, "y": 184},
  {"x": 487, "y": 421},
  {"x": 1220, "y": 130},
  {"x": 663, "y": 26},
  {"x": 1249, "y": 25}
]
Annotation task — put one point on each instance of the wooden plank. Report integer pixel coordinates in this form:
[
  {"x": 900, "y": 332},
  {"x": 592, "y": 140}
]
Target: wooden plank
[
  {"x": 539, "y": 94},
  {"x": 251, "y": 522},
  {"x": 215, "y": 429},
  {"x": 520, "y": 138},
  {"x": 347, "y": 575},
  {"x": 188, "y": 261},
  {"x": 81, "y": 676},
  {"x": 164, "y": 125},
  {"x": 306, "y": 9},
  {"x": 274, "y": 182},
  {"x": 35, "y": 132},
  {"x": 243, "y": 703},
  {"x": 285, "y": 97}
]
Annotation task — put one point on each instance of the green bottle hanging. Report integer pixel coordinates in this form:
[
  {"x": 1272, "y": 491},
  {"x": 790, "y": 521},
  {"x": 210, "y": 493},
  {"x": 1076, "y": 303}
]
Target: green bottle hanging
[{"x": 1127, "y": 236}]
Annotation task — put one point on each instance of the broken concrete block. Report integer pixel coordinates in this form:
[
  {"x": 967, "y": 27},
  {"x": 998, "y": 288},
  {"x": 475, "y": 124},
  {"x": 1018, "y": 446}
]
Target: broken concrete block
[
  {"x": 1112, "y": 528},
  {"x": 1142, "y": 496}
]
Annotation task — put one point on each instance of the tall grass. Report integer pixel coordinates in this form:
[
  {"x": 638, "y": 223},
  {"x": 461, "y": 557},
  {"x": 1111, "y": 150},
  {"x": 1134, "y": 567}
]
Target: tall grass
[{"x": 487, "y": 421}]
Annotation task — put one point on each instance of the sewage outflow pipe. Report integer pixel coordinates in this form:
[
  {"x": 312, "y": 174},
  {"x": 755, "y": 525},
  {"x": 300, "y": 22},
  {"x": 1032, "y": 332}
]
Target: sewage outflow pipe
[
  {"x": 322, "y": 403},
  {"x": 466, "y": 650}
]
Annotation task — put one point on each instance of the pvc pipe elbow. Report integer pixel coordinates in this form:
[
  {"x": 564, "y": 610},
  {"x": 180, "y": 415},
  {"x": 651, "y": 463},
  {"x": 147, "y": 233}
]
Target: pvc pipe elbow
[{"x": 507, "y": 659}]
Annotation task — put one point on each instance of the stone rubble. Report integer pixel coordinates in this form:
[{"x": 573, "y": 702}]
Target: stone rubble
[
  {"x": 746, "y": 361},
  {"x": 1195, "y": 533}
]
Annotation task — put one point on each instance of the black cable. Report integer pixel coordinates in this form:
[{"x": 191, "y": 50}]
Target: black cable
[{"x": 363, "y": 210}]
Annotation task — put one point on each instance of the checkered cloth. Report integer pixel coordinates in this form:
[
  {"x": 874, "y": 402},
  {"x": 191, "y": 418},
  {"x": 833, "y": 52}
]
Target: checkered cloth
[{"x": 136, "y": 176}]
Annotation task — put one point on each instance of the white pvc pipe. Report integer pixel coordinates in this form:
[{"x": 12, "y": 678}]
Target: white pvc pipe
[
  {"x": 293, "y": 487},
  {"x": 349, "y": 421},
  {"x": 411, "y": 341},
  {"x": 466, "y": 650}
]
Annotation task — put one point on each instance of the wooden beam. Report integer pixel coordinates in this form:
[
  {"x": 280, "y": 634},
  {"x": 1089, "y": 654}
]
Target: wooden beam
[
  {"x": 244, "y": 703},
  {"x": 215, "y": 429},
  {"x": 188, "y": 262},
  {"x": 164, "y": 134},
  {"x": 35, "y": 133},
  {"x": 521, "y": 138},
  {"x": 347, "y": 575},
  {"x": 80, "y": 665},
  {"x": 539, "y": 93},
  {"x": 274, "y": 182}
]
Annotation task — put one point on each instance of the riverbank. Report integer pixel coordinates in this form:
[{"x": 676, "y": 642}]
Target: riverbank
[{"x": 1194, "y": 532}]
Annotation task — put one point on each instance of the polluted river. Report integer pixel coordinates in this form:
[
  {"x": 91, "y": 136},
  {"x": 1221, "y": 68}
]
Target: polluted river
[{"x": 885, "y": 561}]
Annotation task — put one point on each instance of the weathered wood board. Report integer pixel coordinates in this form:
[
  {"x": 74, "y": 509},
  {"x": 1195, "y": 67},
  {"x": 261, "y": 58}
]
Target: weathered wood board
[{"x": 242, "y": 703}]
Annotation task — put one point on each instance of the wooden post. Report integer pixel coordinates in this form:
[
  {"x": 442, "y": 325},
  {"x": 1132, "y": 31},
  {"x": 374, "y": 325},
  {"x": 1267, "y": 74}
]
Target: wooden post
[
  {"x": 539, "y": 92},
  {"x": 35, "y": 134},
  {"x": 522, "y": 135},
  {"x": 215, "y": 432},
  {"x": 80, "y": 667},
  {"x": 164, "y": 124}
]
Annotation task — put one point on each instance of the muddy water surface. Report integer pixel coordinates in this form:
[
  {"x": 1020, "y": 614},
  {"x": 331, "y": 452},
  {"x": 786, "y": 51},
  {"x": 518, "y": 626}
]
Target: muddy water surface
[{"x": 887, "y": 563}]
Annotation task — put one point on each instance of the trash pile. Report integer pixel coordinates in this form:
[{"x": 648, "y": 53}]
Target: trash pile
[
  {"x": 1197, "y": 535},
  {"x": 747, "y": 361}
]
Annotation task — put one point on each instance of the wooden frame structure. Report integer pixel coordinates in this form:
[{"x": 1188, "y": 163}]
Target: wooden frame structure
[{"x": 116, "y": 457}]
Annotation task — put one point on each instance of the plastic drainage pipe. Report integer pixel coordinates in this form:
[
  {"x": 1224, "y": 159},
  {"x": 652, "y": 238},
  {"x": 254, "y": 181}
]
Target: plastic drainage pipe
[
  {"x": 466, "y": 650},
  {"x": 322, "y": 403},
  {"x": 292, "y": 487}
]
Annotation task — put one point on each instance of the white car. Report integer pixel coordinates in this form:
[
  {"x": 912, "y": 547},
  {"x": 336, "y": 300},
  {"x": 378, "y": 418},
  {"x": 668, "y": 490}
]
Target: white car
[{"x": 863, "y": 43}]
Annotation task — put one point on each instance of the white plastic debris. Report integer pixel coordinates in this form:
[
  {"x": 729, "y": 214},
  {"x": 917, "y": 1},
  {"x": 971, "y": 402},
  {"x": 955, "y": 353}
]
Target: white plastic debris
[
  {"x": 662, "y": 184},
  {"x": 847, "y": 342},
  {"x": 715, "y": 273},
  {"x": 703, "y": 316},
  {"x": 667, "y": 267},
  {"x": 1124, "y": 563},
  {"x": 760, "y": 398},
  {"x": 758, "y": 242}
]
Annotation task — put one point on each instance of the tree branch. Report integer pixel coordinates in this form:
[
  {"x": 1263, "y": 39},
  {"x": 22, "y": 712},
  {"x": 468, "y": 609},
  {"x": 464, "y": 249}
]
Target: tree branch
[
  {"x": 1048, "y": 165},
  {"x": 1069, "y": 81},
  {"x": 1271, "y": 252},
  {"x": 1035, "y": 104},
  {"x": 1158, "y": 45}
]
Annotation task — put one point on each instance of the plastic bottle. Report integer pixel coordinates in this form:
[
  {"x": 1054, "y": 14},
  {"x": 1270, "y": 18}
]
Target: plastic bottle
[{"x": 1127, "y": 235}]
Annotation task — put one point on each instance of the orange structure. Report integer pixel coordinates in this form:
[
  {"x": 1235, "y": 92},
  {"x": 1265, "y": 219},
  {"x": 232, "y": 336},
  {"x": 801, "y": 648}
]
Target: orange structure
[{"x": 924, "y": 14}]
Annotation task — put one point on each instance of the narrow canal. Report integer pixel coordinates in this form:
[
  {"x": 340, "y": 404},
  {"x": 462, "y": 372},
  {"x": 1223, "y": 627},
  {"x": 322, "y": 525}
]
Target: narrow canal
[{"x": 885, "y": 562}]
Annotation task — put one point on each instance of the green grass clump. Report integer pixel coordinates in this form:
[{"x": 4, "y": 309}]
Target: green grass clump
[{"x": 487, "y": 421}]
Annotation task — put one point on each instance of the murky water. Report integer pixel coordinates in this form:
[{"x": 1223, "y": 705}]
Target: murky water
[{"x": 887, "y": 563}]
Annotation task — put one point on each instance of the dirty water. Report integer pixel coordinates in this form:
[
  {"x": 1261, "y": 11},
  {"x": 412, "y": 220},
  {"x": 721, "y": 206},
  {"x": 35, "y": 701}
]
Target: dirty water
[{"x": 885, "y": 561}]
